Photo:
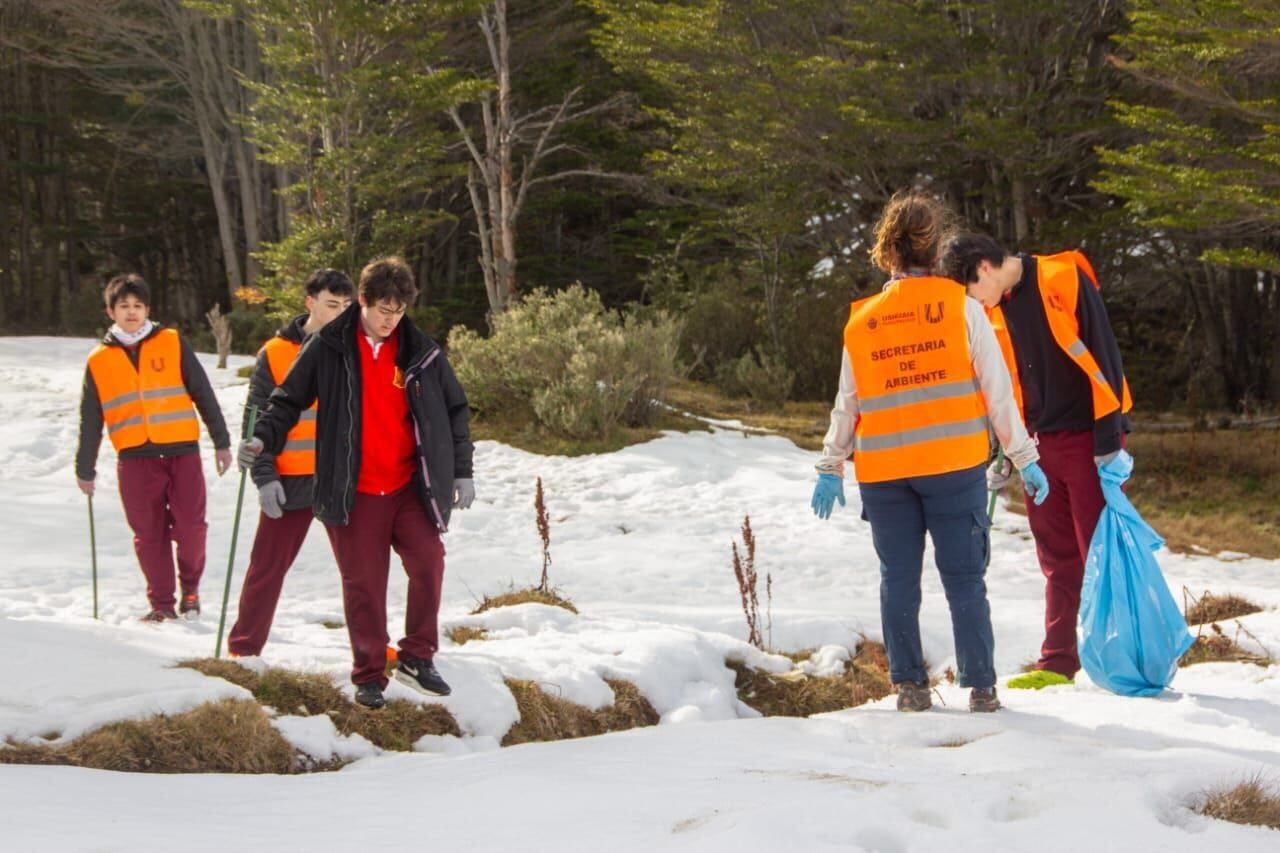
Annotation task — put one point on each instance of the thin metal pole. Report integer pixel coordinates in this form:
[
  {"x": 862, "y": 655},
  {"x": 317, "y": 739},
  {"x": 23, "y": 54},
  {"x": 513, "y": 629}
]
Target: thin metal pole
[
  {"x": 93, "y": 553},
  {"x": 235, "y": 532}
]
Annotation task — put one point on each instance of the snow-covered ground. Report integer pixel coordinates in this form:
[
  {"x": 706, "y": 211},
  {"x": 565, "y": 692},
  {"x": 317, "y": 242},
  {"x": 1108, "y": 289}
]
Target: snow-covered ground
[{"x": 640, "y": 541}]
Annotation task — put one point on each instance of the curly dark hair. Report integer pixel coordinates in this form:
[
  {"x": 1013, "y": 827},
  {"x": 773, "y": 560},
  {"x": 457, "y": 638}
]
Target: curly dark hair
[
  {"x": 909, "y": 232},
  {"x": 388, "y": 278}
]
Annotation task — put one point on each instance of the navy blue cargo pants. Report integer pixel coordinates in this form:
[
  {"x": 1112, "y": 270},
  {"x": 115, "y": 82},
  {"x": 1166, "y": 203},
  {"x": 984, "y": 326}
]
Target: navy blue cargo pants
[{"x": 952, "y": 509}]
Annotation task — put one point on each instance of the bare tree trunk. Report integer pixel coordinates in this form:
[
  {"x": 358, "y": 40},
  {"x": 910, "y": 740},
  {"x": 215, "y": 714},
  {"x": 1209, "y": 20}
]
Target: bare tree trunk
[
  {"x": 507, "y": 199},
  {"x": 497, "y": 208},
  {"x": 1021, "y": 225},
  {"x": 1271, "y": 297},
  {"x": 25, "y": 272},
  {"x": 221, "y": 326}
]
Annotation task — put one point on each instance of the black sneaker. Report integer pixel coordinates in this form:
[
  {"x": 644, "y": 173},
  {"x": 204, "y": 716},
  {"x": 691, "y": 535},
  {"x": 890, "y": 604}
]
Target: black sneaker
[
  {"x": 421, "y": 675},
  {"x": 159, "y": 615},
  {"x": 914, "y": 697},
  {"x": 370, "y": 695},
  {"x": 189, "y": 607},
  {"x": 983, "y": 700}
]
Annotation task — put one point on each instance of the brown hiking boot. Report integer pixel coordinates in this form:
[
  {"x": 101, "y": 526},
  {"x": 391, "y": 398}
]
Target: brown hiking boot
[
  {"x": 158, "y": 615},
  {"x": 983, "y": 700},
  {"x": 914, "y": 697}
]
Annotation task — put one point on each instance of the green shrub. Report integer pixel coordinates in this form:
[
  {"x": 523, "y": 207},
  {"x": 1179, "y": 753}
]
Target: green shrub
[
  {"x": 720, "y": 313},
  {"x": 764, "y": 378},
  {"x": 576, "y": 367}
]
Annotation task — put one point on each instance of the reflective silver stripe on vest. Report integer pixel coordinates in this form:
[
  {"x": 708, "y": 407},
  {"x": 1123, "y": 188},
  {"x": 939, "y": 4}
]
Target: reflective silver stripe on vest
[
  {"x": 158, "y": 393},
  {"x": 1076, "y": 349},
  {"x": 945, "y": 391},
  {"x": 123, "y": 399},
  {"x": 907, "y": 438},
  {"x": 172, "y": 416},
  {"x": 308, "y": 415},
  {"x": 298, "y": 445},
  {"x": 1102, "y": 380},
  {"x": 127, "y": 422}
]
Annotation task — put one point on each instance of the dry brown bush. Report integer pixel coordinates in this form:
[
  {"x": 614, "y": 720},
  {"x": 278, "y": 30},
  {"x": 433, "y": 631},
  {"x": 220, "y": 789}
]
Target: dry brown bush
[
  {"x": 460, "y": 635},
  {"x": 228, "y": 736},
  {"x": 395, "y": 727},
  {"x": 533, "y": 595},
  {"x": 1215, "y": 608},
  {"x": 1254, "y": 802},
  {"x": 544, "y": 717},
  {"x": 865, "y": 679}
]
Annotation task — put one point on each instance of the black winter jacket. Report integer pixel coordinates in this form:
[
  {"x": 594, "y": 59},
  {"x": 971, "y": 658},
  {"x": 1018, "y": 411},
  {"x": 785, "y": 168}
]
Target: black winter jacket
[
  {"x": 328, "y": 368},
  {"x": 299, "y": 491}
]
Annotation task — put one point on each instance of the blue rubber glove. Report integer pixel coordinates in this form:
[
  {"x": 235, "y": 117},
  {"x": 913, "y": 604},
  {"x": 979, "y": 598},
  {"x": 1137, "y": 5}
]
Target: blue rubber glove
[
  {"x": 828, "y": 490},
  {"x": 1115, "y": 467},
  {"x": 1035, "y": 482}
]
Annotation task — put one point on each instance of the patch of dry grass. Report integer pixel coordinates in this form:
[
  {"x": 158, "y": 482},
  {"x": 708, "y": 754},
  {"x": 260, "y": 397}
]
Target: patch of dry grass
[
  {"x": 1254, "y": 802},
  {"x": 1207, "y": 491},
  {"x": 228, "y": 736},
  {"x": 394, "y": 727},
  {"x": 460, "y": 635},
  {"x": 1215, "y": 608},
  {"x": 545, "y": 717},
  {"x": 1216, "y": 647},
  {"x": 794, "y": 694},
  {"x": 1217, "y": 490},
  {"x": 532, "y": 595},
  {"x": 804, "y": 423}
]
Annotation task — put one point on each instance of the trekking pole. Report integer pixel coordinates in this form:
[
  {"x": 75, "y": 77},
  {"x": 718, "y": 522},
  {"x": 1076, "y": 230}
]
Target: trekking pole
[
  {"x": 991, "y": 504},
  {"x": 235, "y": 532},
  {"x": 93, "y": 554}
]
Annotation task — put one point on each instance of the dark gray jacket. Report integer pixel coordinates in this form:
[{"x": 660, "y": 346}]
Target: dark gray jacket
[
  {"x": 194, "y": 379},
  {"x": 328, "y": 369},
  {"x": 299, "y": 491}
]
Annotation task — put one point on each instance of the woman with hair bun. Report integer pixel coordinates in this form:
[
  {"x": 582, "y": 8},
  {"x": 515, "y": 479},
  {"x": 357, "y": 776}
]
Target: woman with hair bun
[{"x": 922, "y": 383}]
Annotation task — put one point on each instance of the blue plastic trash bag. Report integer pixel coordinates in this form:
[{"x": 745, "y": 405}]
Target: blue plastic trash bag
[{"x": 1132, "y": 631}]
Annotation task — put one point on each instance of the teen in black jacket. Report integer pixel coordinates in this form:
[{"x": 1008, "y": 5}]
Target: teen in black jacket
[{"x": 328, "y": 368}]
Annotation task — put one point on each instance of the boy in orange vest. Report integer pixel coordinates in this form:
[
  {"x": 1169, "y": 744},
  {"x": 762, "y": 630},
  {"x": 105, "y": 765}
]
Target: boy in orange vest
[
  {"x": 1070, "y": 385},
  {"x": 145, "y": 384},
  {"x": 286, "y": 481}
]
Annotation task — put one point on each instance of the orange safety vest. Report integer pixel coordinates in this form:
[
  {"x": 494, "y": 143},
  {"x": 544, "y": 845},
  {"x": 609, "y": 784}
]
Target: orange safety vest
[
  {"x": 148, "y": 403},
  {"x": 920, "y": 411},
  {"x": 298, "y": 459},
  {"x": 1058, "y": 277}
]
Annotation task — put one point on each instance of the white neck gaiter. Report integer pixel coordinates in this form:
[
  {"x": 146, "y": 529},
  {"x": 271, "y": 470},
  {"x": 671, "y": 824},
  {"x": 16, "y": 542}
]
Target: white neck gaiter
[{"x": 132, "y": 340}]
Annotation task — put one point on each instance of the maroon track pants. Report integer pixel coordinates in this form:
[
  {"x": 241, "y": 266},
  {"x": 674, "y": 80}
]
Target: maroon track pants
[
  {"x": 362, "y": 547},
  {"x": 164, "y": 503},
  {"x": 1063, "y": 527},
  {"x": 275, "y": 547}
]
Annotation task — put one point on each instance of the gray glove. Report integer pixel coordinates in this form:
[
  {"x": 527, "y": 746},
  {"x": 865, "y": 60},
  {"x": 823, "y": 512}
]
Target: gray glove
[
  {"x": 464, "y": 492},
  {"x": 271, "y": 499},
  {"x": 999, "y": 474},
  {"x": 248, "y": 453}
]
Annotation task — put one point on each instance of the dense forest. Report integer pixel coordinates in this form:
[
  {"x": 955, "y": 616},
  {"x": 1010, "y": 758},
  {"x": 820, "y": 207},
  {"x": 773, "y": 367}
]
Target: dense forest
[{"x": 720, "y": 160}]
